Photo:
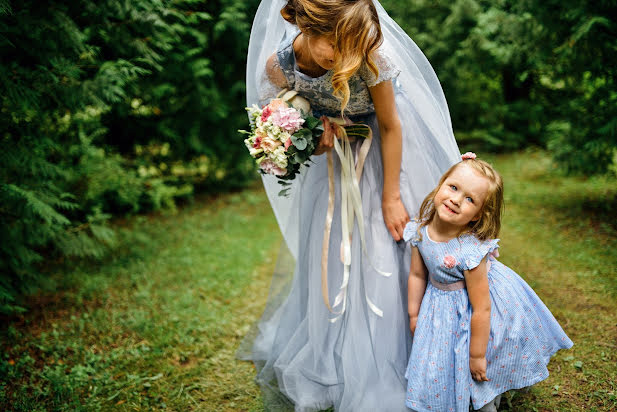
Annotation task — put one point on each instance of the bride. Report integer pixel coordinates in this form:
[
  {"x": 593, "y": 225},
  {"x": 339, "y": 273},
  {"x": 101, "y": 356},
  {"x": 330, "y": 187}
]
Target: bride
[{"x": 335, "y": 332}]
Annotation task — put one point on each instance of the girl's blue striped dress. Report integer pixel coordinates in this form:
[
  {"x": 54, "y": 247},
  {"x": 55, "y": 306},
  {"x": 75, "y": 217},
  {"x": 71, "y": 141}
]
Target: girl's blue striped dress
[{"x": 523, "y": 336}]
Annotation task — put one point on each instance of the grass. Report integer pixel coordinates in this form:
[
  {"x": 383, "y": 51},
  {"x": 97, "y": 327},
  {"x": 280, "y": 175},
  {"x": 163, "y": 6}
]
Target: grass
[
  {"x": 156, "y": 326},
  {"x": 559, "y": 234}
]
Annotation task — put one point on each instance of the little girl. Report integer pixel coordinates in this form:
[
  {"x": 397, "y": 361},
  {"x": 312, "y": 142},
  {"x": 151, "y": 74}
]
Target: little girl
[{"x": 479, "y": 330}]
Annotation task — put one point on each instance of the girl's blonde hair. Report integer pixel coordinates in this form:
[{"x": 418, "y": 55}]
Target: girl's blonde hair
[
  {"x": 354, "y": 26},
  {"x": 489, "y": 224}
]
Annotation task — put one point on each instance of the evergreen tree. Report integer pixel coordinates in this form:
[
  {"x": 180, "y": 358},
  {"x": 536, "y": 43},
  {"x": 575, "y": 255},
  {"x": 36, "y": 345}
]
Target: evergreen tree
[
  {"x": 95, "y": 95},
  {"x": 517, "y": 73}
]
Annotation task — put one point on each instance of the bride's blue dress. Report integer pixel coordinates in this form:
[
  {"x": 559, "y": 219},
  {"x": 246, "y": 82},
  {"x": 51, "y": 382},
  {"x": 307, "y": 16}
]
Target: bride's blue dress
[{"x": 356, "y": 363}]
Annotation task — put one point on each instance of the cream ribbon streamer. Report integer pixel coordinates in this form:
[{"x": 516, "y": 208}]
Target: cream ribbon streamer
[
  {"x": 351, "y": 208},
  {"x": 351, "y": 205}
]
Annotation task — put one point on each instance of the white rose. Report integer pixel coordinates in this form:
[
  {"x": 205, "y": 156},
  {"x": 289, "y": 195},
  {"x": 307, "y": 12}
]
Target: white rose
[
  {"x": 279, "y": 157},
  {"x": 297, "y": 102},
  {"x": 284, "y": 136}
]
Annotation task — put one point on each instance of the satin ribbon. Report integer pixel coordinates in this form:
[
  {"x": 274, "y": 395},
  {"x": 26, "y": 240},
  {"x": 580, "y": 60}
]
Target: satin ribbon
[
  {"x": 460, "y": 284},
  {"x": 351, "y": 203},
  {"x": 351, "y": 208}
]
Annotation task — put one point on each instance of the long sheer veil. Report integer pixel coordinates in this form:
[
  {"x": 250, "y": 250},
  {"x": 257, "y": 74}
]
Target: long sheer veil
[{"x": 417, "y": 81}]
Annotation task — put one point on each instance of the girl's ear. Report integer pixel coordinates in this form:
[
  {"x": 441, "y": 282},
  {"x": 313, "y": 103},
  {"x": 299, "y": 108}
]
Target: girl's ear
[{"x": 478, "y": 216}]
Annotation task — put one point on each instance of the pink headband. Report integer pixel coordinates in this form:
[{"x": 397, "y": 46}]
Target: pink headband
[{"x": 468, "y": 155}]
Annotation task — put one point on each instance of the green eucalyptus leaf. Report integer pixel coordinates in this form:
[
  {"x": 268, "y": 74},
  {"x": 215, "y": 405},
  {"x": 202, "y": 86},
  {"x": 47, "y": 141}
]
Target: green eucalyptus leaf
[
  {"x": 311, "y": 122},
  {"x": 299, "y": 142},
  {"x": 299, "y": 158}
]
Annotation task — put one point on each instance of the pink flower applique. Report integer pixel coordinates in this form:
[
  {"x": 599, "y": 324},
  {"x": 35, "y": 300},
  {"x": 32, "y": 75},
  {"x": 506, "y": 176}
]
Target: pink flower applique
[{"x": 449, "y": 261}]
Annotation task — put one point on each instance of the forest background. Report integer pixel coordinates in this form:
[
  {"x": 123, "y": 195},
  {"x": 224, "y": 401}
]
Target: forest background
[
  {"x": 123, "y": 178},
  {"x": 114, "y": 108}
]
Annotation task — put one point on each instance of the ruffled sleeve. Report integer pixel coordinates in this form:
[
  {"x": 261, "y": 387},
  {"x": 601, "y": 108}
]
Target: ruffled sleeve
[
  {"x": 410, "y": 234},
  {"x": 387, "y": 70},
  {"x": 475, "y": 250}
]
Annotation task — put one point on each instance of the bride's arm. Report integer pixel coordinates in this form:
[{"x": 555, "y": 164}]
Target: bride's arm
[
  {"x": 394, "y": 214},
  {"x": 272, "y": 81}
]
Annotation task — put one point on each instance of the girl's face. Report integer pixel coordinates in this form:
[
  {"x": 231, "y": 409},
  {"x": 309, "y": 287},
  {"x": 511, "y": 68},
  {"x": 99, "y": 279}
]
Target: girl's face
[
  {"x": 322, "y": 51},
  {"x": 460, "y": 198}
]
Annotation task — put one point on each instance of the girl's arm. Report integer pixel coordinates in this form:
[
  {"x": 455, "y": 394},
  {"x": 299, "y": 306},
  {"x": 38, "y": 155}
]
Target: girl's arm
[
  {"x": 476, "y": 281},
  {"x": 394, "y": 214},
  {"x": 416, "y": 285}
]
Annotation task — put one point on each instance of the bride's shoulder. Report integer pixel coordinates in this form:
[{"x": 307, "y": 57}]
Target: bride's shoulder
[
  {"x": 386, "y": 68},
  {"x": 275, "y": 72}
]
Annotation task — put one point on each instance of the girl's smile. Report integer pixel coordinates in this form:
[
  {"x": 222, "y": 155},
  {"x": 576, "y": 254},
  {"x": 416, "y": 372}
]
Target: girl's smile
[
  {"x": 449, "y": 209},
  {"x": 460, "y": 198}
]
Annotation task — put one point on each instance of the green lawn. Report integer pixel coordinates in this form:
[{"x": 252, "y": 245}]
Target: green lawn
[{"x": 156, "y": 326}]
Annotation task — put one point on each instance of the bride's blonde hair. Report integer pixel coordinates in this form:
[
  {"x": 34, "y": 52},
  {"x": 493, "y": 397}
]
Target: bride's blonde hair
[{"x": 354, "y": 26}]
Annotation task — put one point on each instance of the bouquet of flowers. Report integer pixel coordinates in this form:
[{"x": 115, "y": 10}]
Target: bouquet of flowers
[{"x": 284, "y": 135}]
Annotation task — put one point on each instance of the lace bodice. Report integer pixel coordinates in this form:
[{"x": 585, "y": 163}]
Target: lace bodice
[{"x": 319, "y": 90}]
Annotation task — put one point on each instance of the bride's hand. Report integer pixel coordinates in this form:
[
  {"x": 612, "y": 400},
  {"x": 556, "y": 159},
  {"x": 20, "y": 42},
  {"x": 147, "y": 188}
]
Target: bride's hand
[
  {"x": 326, "y": 142},
  {"x": 395, "y": 216}
]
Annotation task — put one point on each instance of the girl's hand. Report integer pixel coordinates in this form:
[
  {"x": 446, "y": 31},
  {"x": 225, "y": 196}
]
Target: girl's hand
[
  {"x": 413, "y": 321},
  {"x": 395, "y": 216},
  {"x": 477, "y": 367},
  {"x": 326, "y": 142}
]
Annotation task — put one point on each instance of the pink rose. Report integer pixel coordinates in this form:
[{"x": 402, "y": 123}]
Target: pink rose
[
  {"x": 266, "y": 113},
  {"x": 269, "y": 144},
  {"x": 288, "y": 143},
  {"x": 270, "y": 167},
  {"x": 468, "y": 155},
  {"x": 449, "y": 261},
  {"x": 288, "y": 119},
  {"x": 257, "y": 143},
  {"x": 277, "y": 104}
]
